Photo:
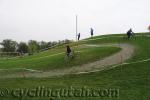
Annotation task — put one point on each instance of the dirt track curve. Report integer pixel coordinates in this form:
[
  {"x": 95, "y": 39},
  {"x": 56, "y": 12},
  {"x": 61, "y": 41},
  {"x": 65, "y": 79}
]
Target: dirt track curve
[{"x": 126, "y": 52}]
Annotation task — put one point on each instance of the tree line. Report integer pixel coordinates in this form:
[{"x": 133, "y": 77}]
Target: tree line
[{"x": 32, "y": 46}]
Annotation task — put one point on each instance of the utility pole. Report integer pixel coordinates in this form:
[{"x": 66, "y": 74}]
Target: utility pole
[{"x": 76, "y": 26}]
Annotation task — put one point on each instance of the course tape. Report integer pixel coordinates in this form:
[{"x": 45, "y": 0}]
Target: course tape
[
  {"x": 140, "y": 61},
  {"x": 26, "y": 69},
  {"x": 32, "y": 70}
]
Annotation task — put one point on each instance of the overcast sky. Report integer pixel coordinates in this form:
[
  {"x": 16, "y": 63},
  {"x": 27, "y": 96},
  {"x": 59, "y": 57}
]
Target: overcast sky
[{"x": 49, "y": 20}]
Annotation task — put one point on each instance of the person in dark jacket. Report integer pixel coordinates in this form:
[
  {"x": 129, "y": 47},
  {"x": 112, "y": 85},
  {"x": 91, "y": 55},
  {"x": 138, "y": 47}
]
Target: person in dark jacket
[
  {"x": 92, "y": 32},
  {"x": 130, "y": 33},
  {"x": 68, "y": 50},
  {"x": 78, "y": 36}
]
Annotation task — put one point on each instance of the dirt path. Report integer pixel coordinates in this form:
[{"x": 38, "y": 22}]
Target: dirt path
[{"x": 117, "y": 58}]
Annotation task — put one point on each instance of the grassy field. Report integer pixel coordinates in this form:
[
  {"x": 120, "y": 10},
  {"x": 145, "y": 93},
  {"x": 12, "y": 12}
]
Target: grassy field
[
  {"x": 133, "y": 80},
  {"x": 55, "y": 59}
]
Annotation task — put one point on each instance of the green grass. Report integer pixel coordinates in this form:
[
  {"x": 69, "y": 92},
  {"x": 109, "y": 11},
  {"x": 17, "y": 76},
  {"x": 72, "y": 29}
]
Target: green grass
[
  {"x": 132, "y": 83},
  {"x": 132, "y": 80},
  {"x": 49, "y": 62}
]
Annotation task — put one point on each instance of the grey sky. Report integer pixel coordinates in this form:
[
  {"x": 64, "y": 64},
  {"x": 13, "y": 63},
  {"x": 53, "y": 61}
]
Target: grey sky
[{"x": 50, "y": 20}]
